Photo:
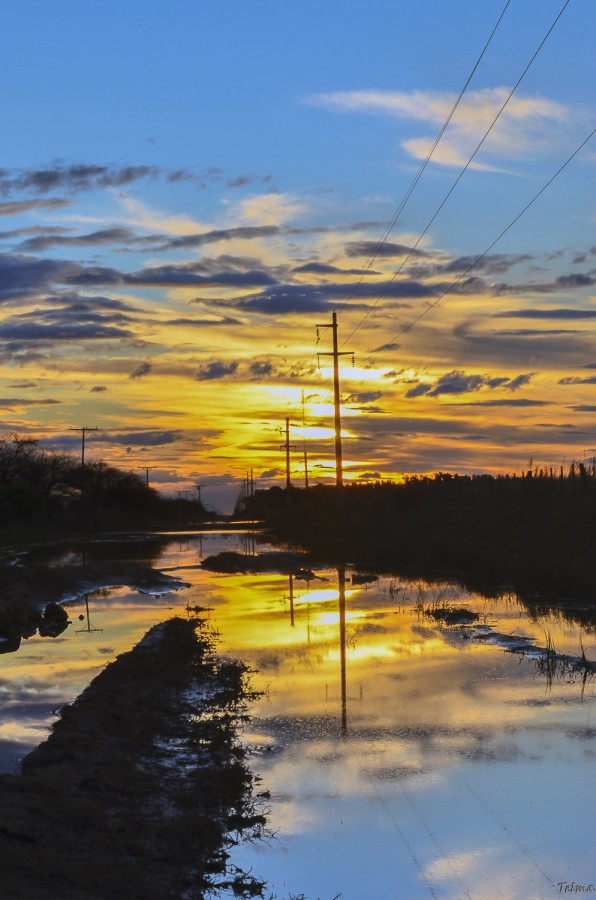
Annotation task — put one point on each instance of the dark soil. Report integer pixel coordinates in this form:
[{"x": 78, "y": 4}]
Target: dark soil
[{"x": 141, "y": 785}]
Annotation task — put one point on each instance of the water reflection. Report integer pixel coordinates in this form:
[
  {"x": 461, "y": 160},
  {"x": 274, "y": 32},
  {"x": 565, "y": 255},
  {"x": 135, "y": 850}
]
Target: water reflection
[
  {"x": 87, "y": 619},
  {"x": 442, "y": 781}
]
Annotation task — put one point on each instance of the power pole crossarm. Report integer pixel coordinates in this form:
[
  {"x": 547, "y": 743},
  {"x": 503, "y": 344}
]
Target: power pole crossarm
[{"x": 83, "y": 431}]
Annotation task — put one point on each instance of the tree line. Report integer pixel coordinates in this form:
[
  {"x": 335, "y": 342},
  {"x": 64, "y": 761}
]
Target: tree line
[{"x": 38, "y": 484}]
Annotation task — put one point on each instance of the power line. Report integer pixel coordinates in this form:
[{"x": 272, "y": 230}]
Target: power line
[
  {"x": 426, "y": 161},
  {"x": 462, "y": 172},
  {"x": 481, "y": 256},
  {"x": 415, "y": 181}
]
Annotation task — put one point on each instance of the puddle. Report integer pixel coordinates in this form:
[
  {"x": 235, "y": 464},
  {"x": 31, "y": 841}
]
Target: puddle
[{"x": 401, "y": 754}]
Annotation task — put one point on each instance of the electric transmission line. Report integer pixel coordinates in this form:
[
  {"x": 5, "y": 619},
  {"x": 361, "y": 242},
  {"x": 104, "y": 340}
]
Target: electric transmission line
[
  {"x": 482, "y": 255},
  {"x": 462, "y": 172}
]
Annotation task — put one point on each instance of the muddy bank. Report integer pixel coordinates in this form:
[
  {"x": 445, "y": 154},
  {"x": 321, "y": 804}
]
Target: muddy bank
[
  {"x": 280, "y": 562},
  {"x": 30, "y": 595},
  {"x": 141, "y": 785}
]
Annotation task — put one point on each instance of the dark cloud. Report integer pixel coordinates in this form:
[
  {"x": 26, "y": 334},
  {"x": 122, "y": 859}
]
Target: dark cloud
[
  {"x": 315, "y": 268},
  {"x": 261, "y": 368},
  {"x": 295, "y": 298},
  {"x": 491, "y": 264},
  {"x": 193, "y": 241},
  {"x": 205, "y": 322},
  {"x": 73, "y": 178},
  {"x": 574, "y": 379},
  {"x": 142, "y": 438},
  {"x": 10, "y": 403},
  {"x": 215, "y": 370},
  {"x": 15, "y": 207},
  {"x": 564, "y": 313},
  {"x": 24, "y": 332},
  {"x": 141, "y": 370},
  {"x": 479, "y": 346},
  {"x": 186, "y": 275},
  {"x": 457, "y": 382},
  {"x": 382, "y": 348},
  {"x": 98, "y": 389},
  {"x": 23, "y": 275},
  {"x": 572, "y": 281},
  {"x": 517, "y": 401},
  {"x": 93, "y": 239},
  {"x": 387, "y": 249},
  {"x": 363, "y": 397}
]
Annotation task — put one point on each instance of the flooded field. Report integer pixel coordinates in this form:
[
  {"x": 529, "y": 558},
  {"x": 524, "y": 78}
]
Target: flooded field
[{"x": 413, "y": 740}]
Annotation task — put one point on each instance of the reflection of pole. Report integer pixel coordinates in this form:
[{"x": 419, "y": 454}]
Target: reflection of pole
[
  {"x": 291, "y": 577},
  {"x": 89, "y": 627},
  {"x": 341, "y": 580}
]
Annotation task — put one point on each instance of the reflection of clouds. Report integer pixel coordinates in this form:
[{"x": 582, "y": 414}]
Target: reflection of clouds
[
  {"x": 391, "y": 773},
  {"x": 371, "y": 628},
  {"x": 462, "y": 863}
]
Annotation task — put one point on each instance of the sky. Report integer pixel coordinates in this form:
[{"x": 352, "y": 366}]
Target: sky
[{"x": 187, "y": 190}]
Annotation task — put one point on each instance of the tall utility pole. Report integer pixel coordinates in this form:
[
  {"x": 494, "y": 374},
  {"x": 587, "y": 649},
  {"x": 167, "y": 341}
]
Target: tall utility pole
[
  {"x": 146, "y": 470},
  {"x": 335, "y": 353},
  {"x": 304, "y": 442},
  {"x": 83, "y": 431},
  {"x": 287, "y": 447}
]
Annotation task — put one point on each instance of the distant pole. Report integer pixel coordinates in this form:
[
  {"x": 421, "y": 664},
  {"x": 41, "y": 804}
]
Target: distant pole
[
  {"x": 339, "y": 476},
  {"x": 304, "y": 441},
  {"x": 198, "y": 487},
  {"x": 83, "y": 431},
  {"x": 287, "y": 447},
  {"x": 146, "y": 470},
  {"x": 287, "y": 454}
]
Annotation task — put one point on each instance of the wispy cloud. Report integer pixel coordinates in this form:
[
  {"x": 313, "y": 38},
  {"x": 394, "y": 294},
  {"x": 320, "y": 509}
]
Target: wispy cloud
[{"x": 527, "y": 124}]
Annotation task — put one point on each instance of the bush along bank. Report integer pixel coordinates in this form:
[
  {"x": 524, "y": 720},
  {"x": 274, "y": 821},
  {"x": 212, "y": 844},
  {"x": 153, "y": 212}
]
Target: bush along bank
[{"x": 535, "y": 532}]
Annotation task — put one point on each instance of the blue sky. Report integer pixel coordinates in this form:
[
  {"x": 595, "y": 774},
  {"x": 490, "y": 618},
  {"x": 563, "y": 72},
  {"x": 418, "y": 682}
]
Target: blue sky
[{"x": 187, "y": 188}]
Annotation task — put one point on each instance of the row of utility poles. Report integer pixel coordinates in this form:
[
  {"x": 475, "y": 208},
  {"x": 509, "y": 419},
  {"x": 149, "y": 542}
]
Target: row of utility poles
[
  {"x": 248, "y": 482},
  {"x": 335, "y": 353},
  {"x": 84, "y": 430}
]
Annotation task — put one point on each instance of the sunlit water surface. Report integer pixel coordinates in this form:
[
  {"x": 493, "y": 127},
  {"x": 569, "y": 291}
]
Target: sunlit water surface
[{"x": 401, "y": 758}]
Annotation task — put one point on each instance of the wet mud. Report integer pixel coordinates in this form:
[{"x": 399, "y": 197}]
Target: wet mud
[{"x": 142, "y": 786}]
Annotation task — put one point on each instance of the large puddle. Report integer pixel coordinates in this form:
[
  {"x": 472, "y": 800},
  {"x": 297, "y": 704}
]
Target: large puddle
[{"x": 406, "y": 749}]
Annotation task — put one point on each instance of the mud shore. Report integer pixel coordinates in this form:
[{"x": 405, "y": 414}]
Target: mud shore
[{"x": 141, "y": 785}]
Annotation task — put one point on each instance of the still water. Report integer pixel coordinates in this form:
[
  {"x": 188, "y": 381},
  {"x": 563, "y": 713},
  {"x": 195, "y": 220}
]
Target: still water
[{"x": 401, "y": 757}]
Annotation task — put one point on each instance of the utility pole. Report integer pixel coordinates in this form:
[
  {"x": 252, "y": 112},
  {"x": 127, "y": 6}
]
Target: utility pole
[
  {"x": 304, "y": 442},
  {"x": 146, "y": 470},
  {"x": 335, "y": 353},
  {"x": 198, "y": 487},
  {"x": 287, "y": 447},
  {"x": 83, "y": 431}
]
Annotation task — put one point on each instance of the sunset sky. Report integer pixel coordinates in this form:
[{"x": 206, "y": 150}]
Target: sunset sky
[{"x": 188, "y": 189}]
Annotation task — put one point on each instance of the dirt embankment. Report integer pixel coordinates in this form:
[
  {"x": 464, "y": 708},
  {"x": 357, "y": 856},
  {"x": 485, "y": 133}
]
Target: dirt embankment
[
  {"x": 141, "y": 784},
  {"x": 30, "y": 595}
]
